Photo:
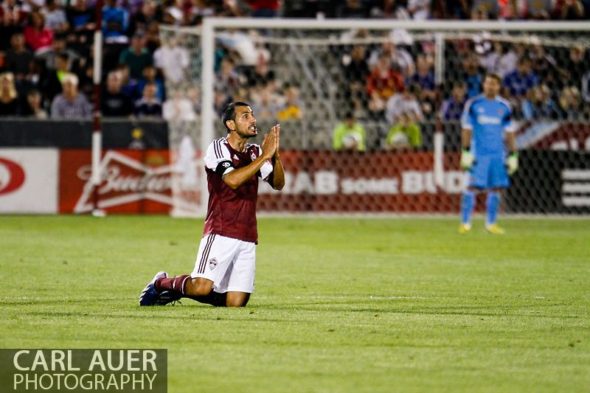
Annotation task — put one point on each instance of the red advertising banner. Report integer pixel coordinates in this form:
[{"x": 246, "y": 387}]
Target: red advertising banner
[
  {"x": 386, "y": 181},
  {"x": 133, "y": 181}
]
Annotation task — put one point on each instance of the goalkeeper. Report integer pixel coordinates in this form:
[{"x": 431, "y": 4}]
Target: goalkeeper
[{"x": 489, "y": 152}]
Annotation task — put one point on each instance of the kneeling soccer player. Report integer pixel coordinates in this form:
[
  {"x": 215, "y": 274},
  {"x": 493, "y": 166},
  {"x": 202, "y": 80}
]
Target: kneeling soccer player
[{"x": 226, "y": 260}]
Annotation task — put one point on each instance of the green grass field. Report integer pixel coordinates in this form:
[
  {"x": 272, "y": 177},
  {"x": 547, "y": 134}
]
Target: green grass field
[{"x": 341, "y": 305}]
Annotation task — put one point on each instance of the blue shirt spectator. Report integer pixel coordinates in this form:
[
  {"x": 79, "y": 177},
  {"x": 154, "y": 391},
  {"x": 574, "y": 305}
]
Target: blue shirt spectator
[
  {"x": 522, "y": 80},
  {"x": 115, "y": 22},
  {"x": 452, "y": 107}
]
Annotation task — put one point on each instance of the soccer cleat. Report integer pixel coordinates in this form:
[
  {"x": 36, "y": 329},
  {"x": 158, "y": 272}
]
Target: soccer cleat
[
  {"x": 167, "y": 297},
  {"x": 495, "y": 229},
  {"x": 149, "y": 296},
  {"x": 464, "y": 228}
]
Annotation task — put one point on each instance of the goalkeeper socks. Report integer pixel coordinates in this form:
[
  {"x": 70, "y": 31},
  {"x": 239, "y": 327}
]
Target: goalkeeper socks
[
  {"x": 173, "y": 284},
  {"x": 492, "y": 206},
  {"x": 467, "y": 205}
]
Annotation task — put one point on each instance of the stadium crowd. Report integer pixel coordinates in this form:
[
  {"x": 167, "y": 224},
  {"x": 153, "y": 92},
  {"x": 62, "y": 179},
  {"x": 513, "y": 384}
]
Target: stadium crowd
[{"x": 46, "y": 61}]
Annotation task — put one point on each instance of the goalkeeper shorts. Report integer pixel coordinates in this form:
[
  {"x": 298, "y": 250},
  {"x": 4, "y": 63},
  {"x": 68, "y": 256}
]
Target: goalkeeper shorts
[{"x": 489, "y": 172}]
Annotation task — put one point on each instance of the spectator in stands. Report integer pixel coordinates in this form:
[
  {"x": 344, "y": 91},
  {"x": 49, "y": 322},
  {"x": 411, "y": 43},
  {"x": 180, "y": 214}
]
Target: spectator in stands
[
  {"x": 404, "y": 103},
  {"x": 37, "y": 36},
  {"x": 81, "y": 17},
  {"x": 33, "y": 106},
  {"x": 114, "y": 103},
  {"x": 55, "y": 17},
  {"x": 52, "y": 86},
  {"x": 58, "y": 46},
  {"x": 260, "y": 74},
  {"x": 570, "y": 104},
  {"x": 518, "y": 82},
  {"x": 539, "y": 9},
  {"x": 227, "y": 77},
  {"x": 130, "y": 87},
  {"x": 149, "y": 105},
  {"x": 484, "y": 9},
  {"x": 538, "y": 104},
  {"x": 264, "y": 8},
  {"x": 569, "y": 9},
  {"x": 355, "y": 71},
  {"x": 137, "y": 57},
  {"x": 13, "y": 17},
  {"x": 544, "y": 64},
  {"x": 115, "y": 22},
  {"x": 511, "y": 10},
  {"x": 152, "y": 37},
  {"x": 424, "y": 79},
  {"x": 349, "y": 135},
  {"x": 382, "y": 83},
  {"x": 150, "y": 75},
  {"x": 419, "y": 9},
  {"x": 178, "y": 108},
  {"x": 452, "y": 107},
  {"x": 472, "y": 75},
  {"x": 173, "y": 60},
  {"x": 266, "y": 103},
  {"x": 574, "y": 65},
  {"x": 400, "y": 59},
  {"x": 149, "y": 12},
  {"x": 8, "y": 95},
  {"x": 501, "y": 60},
  {"x": 405, "y": 133},
  {"x": 70, "y": 103},
  {"x": 18, "y": 57},
  {"x": 352, "y": 9},
  {"x": 292, "y": 108}
]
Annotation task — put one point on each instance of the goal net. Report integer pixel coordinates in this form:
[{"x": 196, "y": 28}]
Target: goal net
[{"x": 369, "y": 112}]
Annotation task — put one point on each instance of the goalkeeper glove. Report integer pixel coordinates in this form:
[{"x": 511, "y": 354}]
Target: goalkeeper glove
[
  {"x": 466, "y": 159},
  {"x": 512, "y": 163}
]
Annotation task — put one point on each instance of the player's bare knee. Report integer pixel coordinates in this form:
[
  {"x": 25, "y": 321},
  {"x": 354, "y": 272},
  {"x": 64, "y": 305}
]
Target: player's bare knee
[{"x": 237, "y": 299}]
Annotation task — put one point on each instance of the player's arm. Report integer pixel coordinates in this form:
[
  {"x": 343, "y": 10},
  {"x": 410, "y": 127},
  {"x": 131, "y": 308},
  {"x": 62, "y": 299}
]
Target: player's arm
[
  {"x": 278, "y": 172},
  {"x": 466, "y": 134},
  {"x": 239, "y": 176}
]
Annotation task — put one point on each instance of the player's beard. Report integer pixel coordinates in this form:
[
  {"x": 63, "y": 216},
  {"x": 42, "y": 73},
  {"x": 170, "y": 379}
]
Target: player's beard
[{"x": 248, "y": 133}]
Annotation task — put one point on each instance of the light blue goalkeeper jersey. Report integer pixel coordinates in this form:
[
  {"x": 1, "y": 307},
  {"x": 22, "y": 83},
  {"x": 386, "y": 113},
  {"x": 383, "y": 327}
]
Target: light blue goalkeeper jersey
[{"x": 488, "y": 119}]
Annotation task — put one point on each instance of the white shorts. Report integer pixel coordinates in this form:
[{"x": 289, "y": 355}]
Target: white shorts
[{"x": 229, "y": 263}]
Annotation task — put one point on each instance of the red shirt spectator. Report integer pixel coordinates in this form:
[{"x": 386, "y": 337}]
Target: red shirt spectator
[
  {"x": 384, "y": 81},
  {"x": 37, "y": 36}
]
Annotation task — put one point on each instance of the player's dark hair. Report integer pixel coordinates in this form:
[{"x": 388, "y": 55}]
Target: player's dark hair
[
  {"x": 494, "y": 76},
  {"x": 229, "y": 113}
]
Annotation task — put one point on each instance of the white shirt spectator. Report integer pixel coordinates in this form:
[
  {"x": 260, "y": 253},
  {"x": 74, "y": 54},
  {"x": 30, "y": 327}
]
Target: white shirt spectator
[
  {"x": 173, "y": 61},
  {"x": 402, "y": 103},
  {"x": 178, "y": 108},
  {"x": 420, "y": 9}
]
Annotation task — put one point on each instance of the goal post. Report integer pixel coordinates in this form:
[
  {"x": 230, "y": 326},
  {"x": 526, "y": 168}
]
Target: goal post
[{"x": 306, "y": 57}]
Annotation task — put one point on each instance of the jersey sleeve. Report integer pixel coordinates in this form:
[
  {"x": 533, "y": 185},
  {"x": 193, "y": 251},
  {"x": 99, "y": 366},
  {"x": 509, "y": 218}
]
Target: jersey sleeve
[
  {"x": 467, "y": 117},
  {"x": 218, "y": 158},
  {"x": 266, "y": 168}
]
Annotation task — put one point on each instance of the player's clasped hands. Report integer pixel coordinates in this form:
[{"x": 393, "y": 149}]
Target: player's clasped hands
[{"x": 270, "y": 144}]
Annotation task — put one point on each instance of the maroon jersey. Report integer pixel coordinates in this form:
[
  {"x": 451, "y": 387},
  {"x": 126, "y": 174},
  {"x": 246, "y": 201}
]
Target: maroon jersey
[{"x": 232, "y": 213}]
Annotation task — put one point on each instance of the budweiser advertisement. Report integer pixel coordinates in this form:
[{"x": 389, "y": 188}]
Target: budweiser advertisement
[
  {"x": 372, "y": 182},
  {"x": 133, "y": 181},
  {"x": 28, "y": 180}
]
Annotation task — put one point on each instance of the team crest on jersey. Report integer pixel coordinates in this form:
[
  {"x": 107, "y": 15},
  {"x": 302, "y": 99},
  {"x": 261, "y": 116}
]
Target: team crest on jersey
[
  {"x": 212, "y": 263},
  {"x": 252, "y": 156}
]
